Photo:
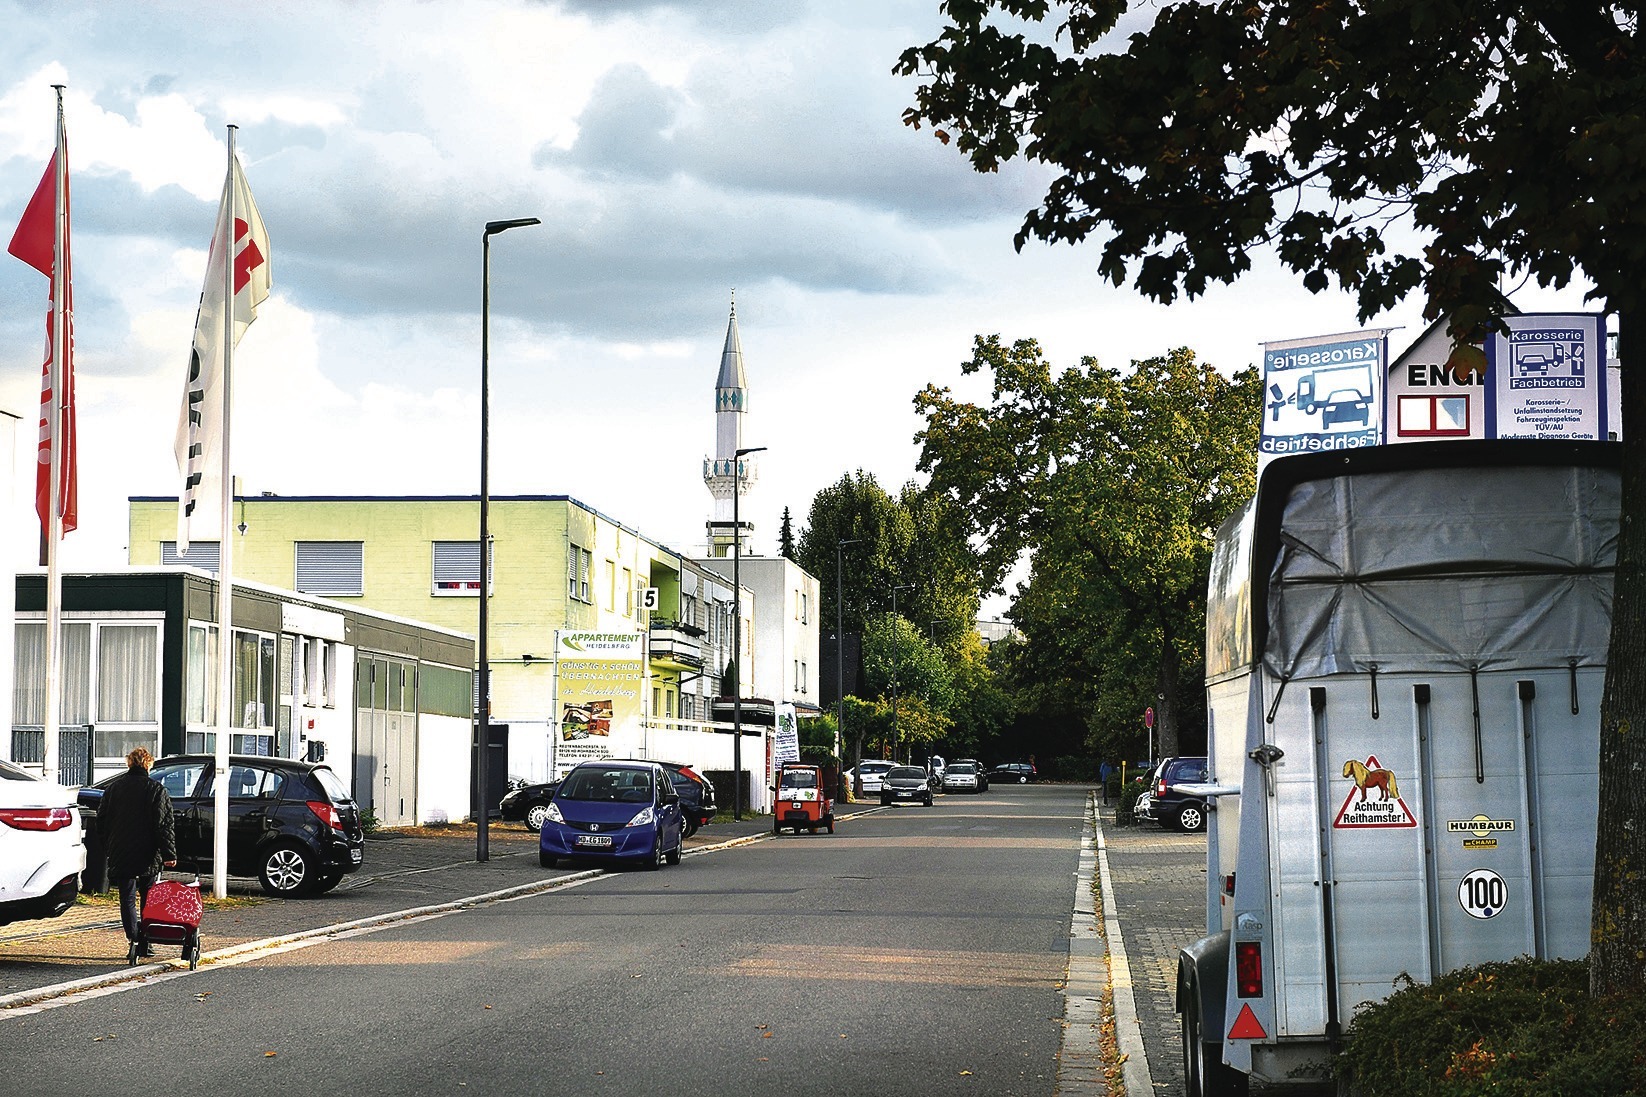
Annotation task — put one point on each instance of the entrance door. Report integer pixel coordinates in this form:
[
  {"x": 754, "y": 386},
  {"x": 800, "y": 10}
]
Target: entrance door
[{"x": 386, "y": 733}]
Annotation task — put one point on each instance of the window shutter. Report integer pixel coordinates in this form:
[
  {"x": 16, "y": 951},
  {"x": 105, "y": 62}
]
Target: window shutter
[
  {"x": 457, "y": 567},
  {"x": 205, "y": 555},
  {"x": 331, "y": 567}
]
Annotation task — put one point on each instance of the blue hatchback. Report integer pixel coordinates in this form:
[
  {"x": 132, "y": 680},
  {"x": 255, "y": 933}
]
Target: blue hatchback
[{"x": 625, "y": 811}]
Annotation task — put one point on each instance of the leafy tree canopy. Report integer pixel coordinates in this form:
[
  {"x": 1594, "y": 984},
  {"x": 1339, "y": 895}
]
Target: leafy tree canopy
[{"x": 1116, "y": 483}]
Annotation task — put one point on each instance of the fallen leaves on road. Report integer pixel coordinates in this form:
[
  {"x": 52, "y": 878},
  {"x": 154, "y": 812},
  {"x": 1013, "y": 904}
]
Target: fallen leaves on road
[{"x": 268, "y": 1055}]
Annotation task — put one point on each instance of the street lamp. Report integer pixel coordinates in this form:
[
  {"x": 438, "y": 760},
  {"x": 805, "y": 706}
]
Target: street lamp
[
  {"x": 896, "y": 738},
  {"x": 483, "y": 728},
  {"x": 737, "y": 630},
  {"x": 840, "y": 655}
]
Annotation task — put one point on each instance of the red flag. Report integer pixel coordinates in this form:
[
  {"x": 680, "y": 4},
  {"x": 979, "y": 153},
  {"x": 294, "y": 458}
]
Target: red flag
[{"x": 35, "y": 243}]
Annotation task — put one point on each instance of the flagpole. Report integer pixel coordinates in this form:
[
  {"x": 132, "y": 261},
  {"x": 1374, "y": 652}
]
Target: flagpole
[
  {"x": 54, "y": 424},
  {"x": 225, "y": 558}
]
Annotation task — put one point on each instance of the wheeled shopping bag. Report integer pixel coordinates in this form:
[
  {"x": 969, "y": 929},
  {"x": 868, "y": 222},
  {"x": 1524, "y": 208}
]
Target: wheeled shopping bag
[{"x": 171, "y": 916}]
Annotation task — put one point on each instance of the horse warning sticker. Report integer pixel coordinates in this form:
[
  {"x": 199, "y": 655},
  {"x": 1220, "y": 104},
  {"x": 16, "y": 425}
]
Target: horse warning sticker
[{"x": 1374, "y": 798}]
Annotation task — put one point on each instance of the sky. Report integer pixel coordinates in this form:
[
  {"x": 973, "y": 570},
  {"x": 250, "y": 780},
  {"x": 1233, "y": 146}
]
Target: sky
[{"x": 676, "y": 153}]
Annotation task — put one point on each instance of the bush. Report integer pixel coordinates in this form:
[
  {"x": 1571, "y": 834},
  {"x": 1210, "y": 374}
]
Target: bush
[
  {"x": 1127, "y": 800},
  {"x": 1525, "y": 1028}
]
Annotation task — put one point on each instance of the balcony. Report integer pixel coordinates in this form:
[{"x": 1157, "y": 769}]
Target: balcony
[{"x": 676, "y": 646}]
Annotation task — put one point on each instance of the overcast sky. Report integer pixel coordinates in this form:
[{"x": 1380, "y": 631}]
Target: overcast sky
[{"x": 675, "y": 151}]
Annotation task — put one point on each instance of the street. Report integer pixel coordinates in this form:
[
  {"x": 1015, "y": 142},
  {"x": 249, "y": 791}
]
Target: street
[{"x": 918, "y": 950}]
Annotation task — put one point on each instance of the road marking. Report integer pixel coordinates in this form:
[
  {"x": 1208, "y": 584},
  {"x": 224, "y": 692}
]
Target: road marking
[{"x": 858, "y": 964}]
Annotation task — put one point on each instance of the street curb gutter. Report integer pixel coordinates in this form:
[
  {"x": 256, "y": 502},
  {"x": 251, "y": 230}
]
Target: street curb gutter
[
  {"x": 1080, "y": 1066},
  {"x": 375, "y": 921},
  {"x": 1134, "y": 1067}
]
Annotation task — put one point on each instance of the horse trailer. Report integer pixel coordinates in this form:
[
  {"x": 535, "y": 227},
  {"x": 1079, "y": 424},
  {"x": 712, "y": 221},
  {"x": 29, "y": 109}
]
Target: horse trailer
[{"x": 1405, "y": 654}]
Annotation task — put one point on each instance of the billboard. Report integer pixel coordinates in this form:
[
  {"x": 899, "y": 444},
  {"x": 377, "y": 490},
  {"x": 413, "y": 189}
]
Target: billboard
[
  {"x": 1546, "y": 377},
  {"x": 1323, "y": 393},
  {"x": 598, "y": 678}
]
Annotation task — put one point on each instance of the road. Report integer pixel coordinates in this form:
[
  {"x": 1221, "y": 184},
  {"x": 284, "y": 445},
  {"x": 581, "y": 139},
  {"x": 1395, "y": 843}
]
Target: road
[{"x": 916, "y": 950}]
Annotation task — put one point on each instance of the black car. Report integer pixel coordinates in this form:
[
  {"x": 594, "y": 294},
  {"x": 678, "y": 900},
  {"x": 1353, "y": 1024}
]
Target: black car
[
  {"x": 292, "y": 824},
  {"x": 1020, "y": 773},
  {"x": 1169, "y": 807},
  {"x": 906, "y": 783},
  {"x": 697, "y": 802},
  {"x": 528, "y": 803}
]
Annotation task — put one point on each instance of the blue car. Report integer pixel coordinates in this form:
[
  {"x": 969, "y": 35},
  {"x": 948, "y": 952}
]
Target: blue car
[{"x": 613, "y": 811}]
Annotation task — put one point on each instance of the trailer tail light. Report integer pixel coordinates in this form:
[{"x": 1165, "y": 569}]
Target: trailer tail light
[
  {"x": 1228, "y": 884},
  {"x": 1248, "y": 969},
  {"x": 326, "y": 813}
]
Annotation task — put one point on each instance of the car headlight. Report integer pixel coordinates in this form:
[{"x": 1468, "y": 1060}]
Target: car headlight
[
  {"x": 645, "y": 818},
  {"x": 551, "y": 813}
]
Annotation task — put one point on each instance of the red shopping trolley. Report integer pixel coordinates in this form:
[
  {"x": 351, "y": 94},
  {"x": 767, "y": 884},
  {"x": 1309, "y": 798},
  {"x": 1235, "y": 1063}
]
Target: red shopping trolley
[{"x": 171, "y": 916}]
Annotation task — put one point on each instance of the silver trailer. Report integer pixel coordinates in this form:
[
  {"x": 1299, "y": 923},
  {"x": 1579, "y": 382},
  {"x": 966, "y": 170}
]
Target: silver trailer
[{"x": 1405, "y": 652}]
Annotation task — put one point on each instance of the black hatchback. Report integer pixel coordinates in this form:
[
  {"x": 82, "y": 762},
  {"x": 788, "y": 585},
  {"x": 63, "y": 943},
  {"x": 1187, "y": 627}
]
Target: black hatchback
[{"x": 292, "y": 824}]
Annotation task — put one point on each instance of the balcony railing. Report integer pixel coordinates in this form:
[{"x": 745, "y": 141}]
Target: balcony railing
[{"x": 677, "y": 645}]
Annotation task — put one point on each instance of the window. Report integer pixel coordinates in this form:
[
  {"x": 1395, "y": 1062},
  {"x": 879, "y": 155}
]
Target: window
[
  {"x": 634, "y": 595},
  {"x": 1433, "y": 417},
  {"x": 126, "y": 683},
  {"x": 201, "y": 702},
  {"x": 805, "y": 608},
  {"x": 611, "y": 585},
  {"x": 335, "y": 568},
  {"x": 205, "y": 555},
  {"x": 579, "y": 562},
  {"x": 457, "y": 569},
  {"x": 803, "y": 676}
]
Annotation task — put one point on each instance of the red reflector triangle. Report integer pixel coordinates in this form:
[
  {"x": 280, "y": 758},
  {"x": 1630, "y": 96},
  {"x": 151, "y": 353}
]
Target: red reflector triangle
[{"x": 1246, "y": 1026}]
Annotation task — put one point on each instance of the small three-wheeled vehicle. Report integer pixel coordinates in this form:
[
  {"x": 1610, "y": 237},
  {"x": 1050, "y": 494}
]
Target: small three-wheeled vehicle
[{"x": 802, "y": 801}]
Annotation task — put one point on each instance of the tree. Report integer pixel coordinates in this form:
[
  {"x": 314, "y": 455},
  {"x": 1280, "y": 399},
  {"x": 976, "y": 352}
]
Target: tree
[
  {"x": 1387, "y": 145},
  {"x": 1117, "y": 484},
  {"x": 785, "y": 537}
]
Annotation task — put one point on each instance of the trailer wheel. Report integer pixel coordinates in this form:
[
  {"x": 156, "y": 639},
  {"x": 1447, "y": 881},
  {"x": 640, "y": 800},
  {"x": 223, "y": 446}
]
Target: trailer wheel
[{"x": 1204, "y": 1072}]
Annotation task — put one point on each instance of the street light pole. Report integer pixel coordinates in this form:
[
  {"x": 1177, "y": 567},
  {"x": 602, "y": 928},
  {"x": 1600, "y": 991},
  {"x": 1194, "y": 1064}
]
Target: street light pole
[
  {"x": 483, "y": 717},
  {"x": 897, "y": 739},
  {"x": 737, "y": 629},
  {"x": 840, "y": 652}
]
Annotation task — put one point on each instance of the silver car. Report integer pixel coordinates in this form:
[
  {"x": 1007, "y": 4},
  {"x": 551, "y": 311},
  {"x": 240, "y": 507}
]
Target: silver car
[
  {"x": 961, "y": 777},
  {"x": 872, "y": 770}
]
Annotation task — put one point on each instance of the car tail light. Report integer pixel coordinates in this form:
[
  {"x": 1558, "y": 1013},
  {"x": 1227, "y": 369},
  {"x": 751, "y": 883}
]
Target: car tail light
[
  {"x": 326, "y": 813},
  {"x": 1248, "y": 969},
  {"x": 36, "y": 818}
]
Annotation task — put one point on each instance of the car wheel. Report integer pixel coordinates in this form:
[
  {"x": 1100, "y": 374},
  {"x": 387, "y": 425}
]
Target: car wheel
[
  {"x": 1191, "y": 817},
  {"x": 1022, "y": 779},
  {"x": 831, "y": 824},
  {"x": 928, "y": 799},
  {"x": 687, "y": 829},
  {"x": 286, "y": 870},
  {"x": 885, "y": 801},
  {"x": 545, "y": 860},
  {"x": 777, "y": 827},
  {"x": 655, "y": 861},
  {"x": 673, "y": 856},
  {"x": 535, "y": 815},
  {"x": 326, "y": 881}
]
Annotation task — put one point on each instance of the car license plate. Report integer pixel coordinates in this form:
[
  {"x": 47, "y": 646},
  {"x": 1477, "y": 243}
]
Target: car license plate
[
  {"x": 354, "y": 855},
  {"x": 797, "y": 804},
  {"x": 595, "y": 841}
]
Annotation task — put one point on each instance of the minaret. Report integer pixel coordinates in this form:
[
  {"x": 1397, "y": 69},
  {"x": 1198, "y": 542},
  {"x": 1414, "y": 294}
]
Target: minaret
[{"x": 731, "y": 401}]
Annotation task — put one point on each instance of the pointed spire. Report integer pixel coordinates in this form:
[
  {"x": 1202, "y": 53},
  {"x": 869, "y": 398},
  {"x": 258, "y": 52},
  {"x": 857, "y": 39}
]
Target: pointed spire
[{"x": 731, "y": 388}]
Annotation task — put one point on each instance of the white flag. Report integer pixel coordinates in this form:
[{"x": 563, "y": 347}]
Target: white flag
[{"x": 200, "y": 426}]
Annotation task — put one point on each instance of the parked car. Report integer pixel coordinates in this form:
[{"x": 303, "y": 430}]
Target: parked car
[
  {"x": 697, "y": 802},
  {"x": 41, "y": 850},
  {"x": 613, "y": 810},
  {"x": 1016, "y": 772},
  {"x": 872, "y": 769},
  {"x": 292, "y": 824},
  {"x": 906, "y": 783},
  {"x": 961, "y": 777},
  {"x": 982, "y": 772},
  {"x": 527, "y": 803},
  {"x": 1169, "y": 807}
]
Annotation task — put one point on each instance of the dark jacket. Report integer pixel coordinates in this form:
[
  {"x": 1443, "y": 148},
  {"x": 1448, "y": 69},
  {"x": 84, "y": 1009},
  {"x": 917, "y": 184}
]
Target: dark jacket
[{"x": 134, "y": 821}]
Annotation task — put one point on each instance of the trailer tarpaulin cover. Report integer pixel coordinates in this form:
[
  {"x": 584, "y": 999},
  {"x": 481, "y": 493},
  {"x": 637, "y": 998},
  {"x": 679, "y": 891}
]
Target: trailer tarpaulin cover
[{"x": 1494, "y": 568}]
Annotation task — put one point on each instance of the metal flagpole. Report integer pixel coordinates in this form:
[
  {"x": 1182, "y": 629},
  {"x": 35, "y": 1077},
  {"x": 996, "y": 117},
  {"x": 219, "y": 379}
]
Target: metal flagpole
[
  {"x": 54, "y": 413},
  {"x": 225, "y": 560}
]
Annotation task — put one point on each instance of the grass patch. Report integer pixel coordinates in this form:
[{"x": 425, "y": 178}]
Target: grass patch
[{"x": 1524, "y": 1028}]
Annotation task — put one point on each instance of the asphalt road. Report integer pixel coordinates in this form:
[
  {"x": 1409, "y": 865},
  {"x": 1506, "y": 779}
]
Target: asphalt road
[{"x": 917, "y": 950}]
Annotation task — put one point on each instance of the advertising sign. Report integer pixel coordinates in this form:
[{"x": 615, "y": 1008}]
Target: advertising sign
[
  {"x": 1547, "y": 377},
  {"x": 1323, "y": 393},
  {"x": 786, "y": 739},
  {"x": 598, "y": 678}
]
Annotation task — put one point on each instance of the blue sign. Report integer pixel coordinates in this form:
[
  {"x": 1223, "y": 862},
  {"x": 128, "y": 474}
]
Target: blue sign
[
  {"x": 1323, "y": 393},
  {"x": 1546, "y": 375}
]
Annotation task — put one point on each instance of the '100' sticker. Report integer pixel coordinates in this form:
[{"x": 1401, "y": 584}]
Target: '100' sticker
[{"x": 1482, "y": 893}]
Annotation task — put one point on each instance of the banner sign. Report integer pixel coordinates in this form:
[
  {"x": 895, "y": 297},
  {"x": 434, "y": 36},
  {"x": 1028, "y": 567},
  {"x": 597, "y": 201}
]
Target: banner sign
[
  {"x": 786, "y": 739},
  {"x": 1323, "y": 393},
  {"x": 598, "y": 678},
  {"x": 1546, "y": 375}
]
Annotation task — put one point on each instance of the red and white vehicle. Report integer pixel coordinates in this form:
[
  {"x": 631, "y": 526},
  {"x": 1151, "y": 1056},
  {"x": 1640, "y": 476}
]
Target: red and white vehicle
[{"x": 41, "y": 851}]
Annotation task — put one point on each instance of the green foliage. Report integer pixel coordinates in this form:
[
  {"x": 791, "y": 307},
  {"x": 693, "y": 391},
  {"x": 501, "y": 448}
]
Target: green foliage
[
  {"x": 898, "y": 658},
  {"x": 1116, "y": 483},
  {"x": 1527, "y": 1028},
  {"x": 369, "y": 822}
]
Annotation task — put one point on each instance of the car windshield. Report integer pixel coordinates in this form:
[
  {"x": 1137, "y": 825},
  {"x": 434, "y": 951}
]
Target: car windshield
[
  {"x": 906, "y": 773},
  {"x": 962, "y": 767},
  {"x": 799, "y": 778},
  {"x": 631, "y": 786}
]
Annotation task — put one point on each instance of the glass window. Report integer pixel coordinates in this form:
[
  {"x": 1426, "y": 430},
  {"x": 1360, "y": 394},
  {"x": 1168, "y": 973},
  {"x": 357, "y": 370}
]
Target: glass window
[
  {"x": 179, "y": 778},
  {"x": 201, "y": 683},
  {"x": 28, "y": 691},
  {"x": 126, "y": 673}
]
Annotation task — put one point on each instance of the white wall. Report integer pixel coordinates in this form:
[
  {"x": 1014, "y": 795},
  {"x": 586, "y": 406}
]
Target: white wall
[{"x": 443, "y": 768}]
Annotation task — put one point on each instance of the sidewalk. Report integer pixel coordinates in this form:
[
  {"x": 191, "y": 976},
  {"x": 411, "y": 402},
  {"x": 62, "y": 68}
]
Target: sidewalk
[{"x": 402, "y": 870}]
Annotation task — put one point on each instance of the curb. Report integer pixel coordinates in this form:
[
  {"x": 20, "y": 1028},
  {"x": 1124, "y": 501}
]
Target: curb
[{"x": 1134, "y": 1065}]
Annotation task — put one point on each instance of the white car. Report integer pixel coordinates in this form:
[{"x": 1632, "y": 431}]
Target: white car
[
  {"x": 872, "y": 770},
  {"x": 41, "y": 852}
]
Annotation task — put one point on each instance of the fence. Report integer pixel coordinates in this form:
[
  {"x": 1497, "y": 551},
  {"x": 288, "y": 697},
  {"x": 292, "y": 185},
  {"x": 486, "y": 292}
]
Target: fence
[{"x": 74, "y": 746}]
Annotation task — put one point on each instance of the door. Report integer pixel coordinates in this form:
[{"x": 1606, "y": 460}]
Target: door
[{"x": 386, "y": 738}]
